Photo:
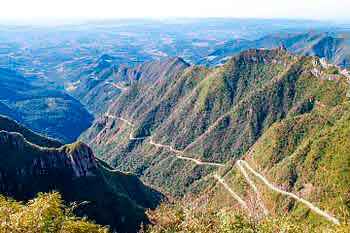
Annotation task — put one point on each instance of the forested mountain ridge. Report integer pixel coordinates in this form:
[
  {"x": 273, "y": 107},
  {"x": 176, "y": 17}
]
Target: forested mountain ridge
[
  {"x": 9, "y": 125},
  {"x": 176, "y": 133},
  {"x": 101, "y": 84}
]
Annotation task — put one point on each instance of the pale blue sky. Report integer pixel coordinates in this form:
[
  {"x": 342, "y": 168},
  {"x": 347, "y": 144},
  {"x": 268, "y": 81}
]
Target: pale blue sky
[{"x": 106, "y": 9}]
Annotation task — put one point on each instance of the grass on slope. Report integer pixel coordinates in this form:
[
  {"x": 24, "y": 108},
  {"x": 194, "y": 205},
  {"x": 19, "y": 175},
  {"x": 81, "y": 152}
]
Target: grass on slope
[
  {"x": 206, "y": 218},
  {"x": 310, "y": 155}
]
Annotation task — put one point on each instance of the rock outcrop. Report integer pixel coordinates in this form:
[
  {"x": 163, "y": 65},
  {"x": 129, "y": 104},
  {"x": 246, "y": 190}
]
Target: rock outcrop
[
  {"x": 77, "y": 159},
  {"x": 110, "y": 197}
]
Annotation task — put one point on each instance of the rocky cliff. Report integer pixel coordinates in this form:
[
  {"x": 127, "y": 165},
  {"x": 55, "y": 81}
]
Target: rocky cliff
[{"x": 109, "y": 197}]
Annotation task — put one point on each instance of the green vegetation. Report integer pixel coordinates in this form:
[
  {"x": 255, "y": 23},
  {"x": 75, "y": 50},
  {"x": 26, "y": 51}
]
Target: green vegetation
[
  {"x": 310, "y": 154},
  {"x": 171, "y": 218},
  {"x": 44, "y": 214},
  {"x": 109, "y": 197},
  {"x": 41, "y": 106},
  {"x": 214, "y": 114},
  {"x": 291, "y": 119}
]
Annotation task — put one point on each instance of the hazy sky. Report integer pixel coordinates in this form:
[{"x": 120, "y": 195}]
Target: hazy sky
[{"x": 100, "y": 9}]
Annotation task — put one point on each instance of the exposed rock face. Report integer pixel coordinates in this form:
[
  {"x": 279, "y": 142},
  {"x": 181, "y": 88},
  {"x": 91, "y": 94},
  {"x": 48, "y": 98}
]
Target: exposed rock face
[
  {"x": 27, "y": 168},
  {"x": 82, "y": 160},
  {"x": 77, "y": 158},
  {"x": 110, "y": 197}
]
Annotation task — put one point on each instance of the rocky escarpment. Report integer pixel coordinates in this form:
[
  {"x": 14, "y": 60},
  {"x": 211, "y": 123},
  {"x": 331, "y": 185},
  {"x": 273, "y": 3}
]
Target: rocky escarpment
[
  {"x": 76, "y": 160},
  {"x": 109, "y": 197}
]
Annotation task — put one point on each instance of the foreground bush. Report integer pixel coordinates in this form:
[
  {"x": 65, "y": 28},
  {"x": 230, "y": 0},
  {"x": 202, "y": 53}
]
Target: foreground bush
[
  {"x": 46, "y": 213},
  {"x": 177, "y": 218}
]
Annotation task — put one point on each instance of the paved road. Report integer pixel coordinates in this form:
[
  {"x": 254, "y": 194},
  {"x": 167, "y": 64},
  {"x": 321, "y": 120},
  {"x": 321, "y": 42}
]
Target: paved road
[
  {"x": 252, "y": 184},
  {"x": 242, "y": 165},
  {"x": 233, "y": 194},
  {"x": 198, "y": 162},
  {"x": 292, "y": 195}
]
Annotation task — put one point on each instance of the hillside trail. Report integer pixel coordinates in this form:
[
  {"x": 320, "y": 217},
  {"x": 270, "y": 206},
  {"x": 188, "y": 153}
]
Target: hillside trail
[
  {"x": 292, "y": 195},
  {"x": 233, "y": 194},
  {"x": 207, "y": 132},
  {"x": 252, "y": 184},
  {"x": 242, "y": 165}
]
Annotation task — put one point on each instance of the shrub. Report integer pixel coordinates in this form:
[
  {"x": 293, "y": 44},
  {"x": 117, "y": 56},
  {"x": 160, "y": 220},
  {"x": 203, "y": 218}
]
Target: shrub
[
  {"x": 46, "y": 213},
  {"x": 171, "y": 218}
]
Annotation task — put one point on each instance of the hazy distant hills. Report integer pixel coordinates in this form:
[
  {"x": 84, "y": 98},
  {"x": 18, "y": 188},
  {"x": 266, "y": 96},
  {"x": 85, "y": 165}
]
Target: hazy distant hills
[
  {"x": 106, "y": 196},
  {"x": 41, "y": 106},
  {"x": 61, "y": 52},
  {"x": 333, "y": 46},
  {"x": 217, "y": 114},
  {"x": 183, "y": 105}
]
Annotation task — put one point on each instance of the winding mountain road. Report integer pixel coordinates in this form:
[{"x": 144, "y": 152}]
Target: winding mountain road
[
  {"x": 252, "y": 184},
  {"x": 125, "y": 120},
  {"x": 233, "y": 194},
  {"x": 131, "y": 137},
  {"x": 242, "y": 165},
  {"x": 292, "y": 195},
  {"x": 198, "y": 162},
  {"x": 170, "y": 148}
]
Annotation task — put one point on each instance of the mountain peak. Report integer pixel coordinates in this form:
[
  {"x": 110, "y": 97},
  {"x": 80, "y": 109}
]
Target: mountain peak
[
  {"x": 179, "y": 60},
  {"x": 82, "y": 159}
]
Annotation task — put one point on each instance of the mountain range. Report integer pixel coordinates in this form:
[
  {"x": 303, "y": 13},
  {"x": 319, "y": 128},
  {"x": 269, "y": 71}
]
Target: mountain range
[
  {"x": 332, "y": 46},
  {"x": 219, "y": 129},
  {"x": 279, "y": 112}
]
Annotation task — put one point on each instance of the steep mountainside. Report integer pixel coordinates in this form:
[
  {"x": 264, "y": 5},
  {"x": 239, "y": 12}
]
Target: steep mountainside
[
  {"x": 101, "y": 84},
  {"x": 176, "y": 132},
  {"x": 306, "y": 155},
  {"x": 106, "y": 196},
  {"x": 40, "y": 107},
  {"x": 7, "y": 124},
  {"x": 334, "y": 47}
]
